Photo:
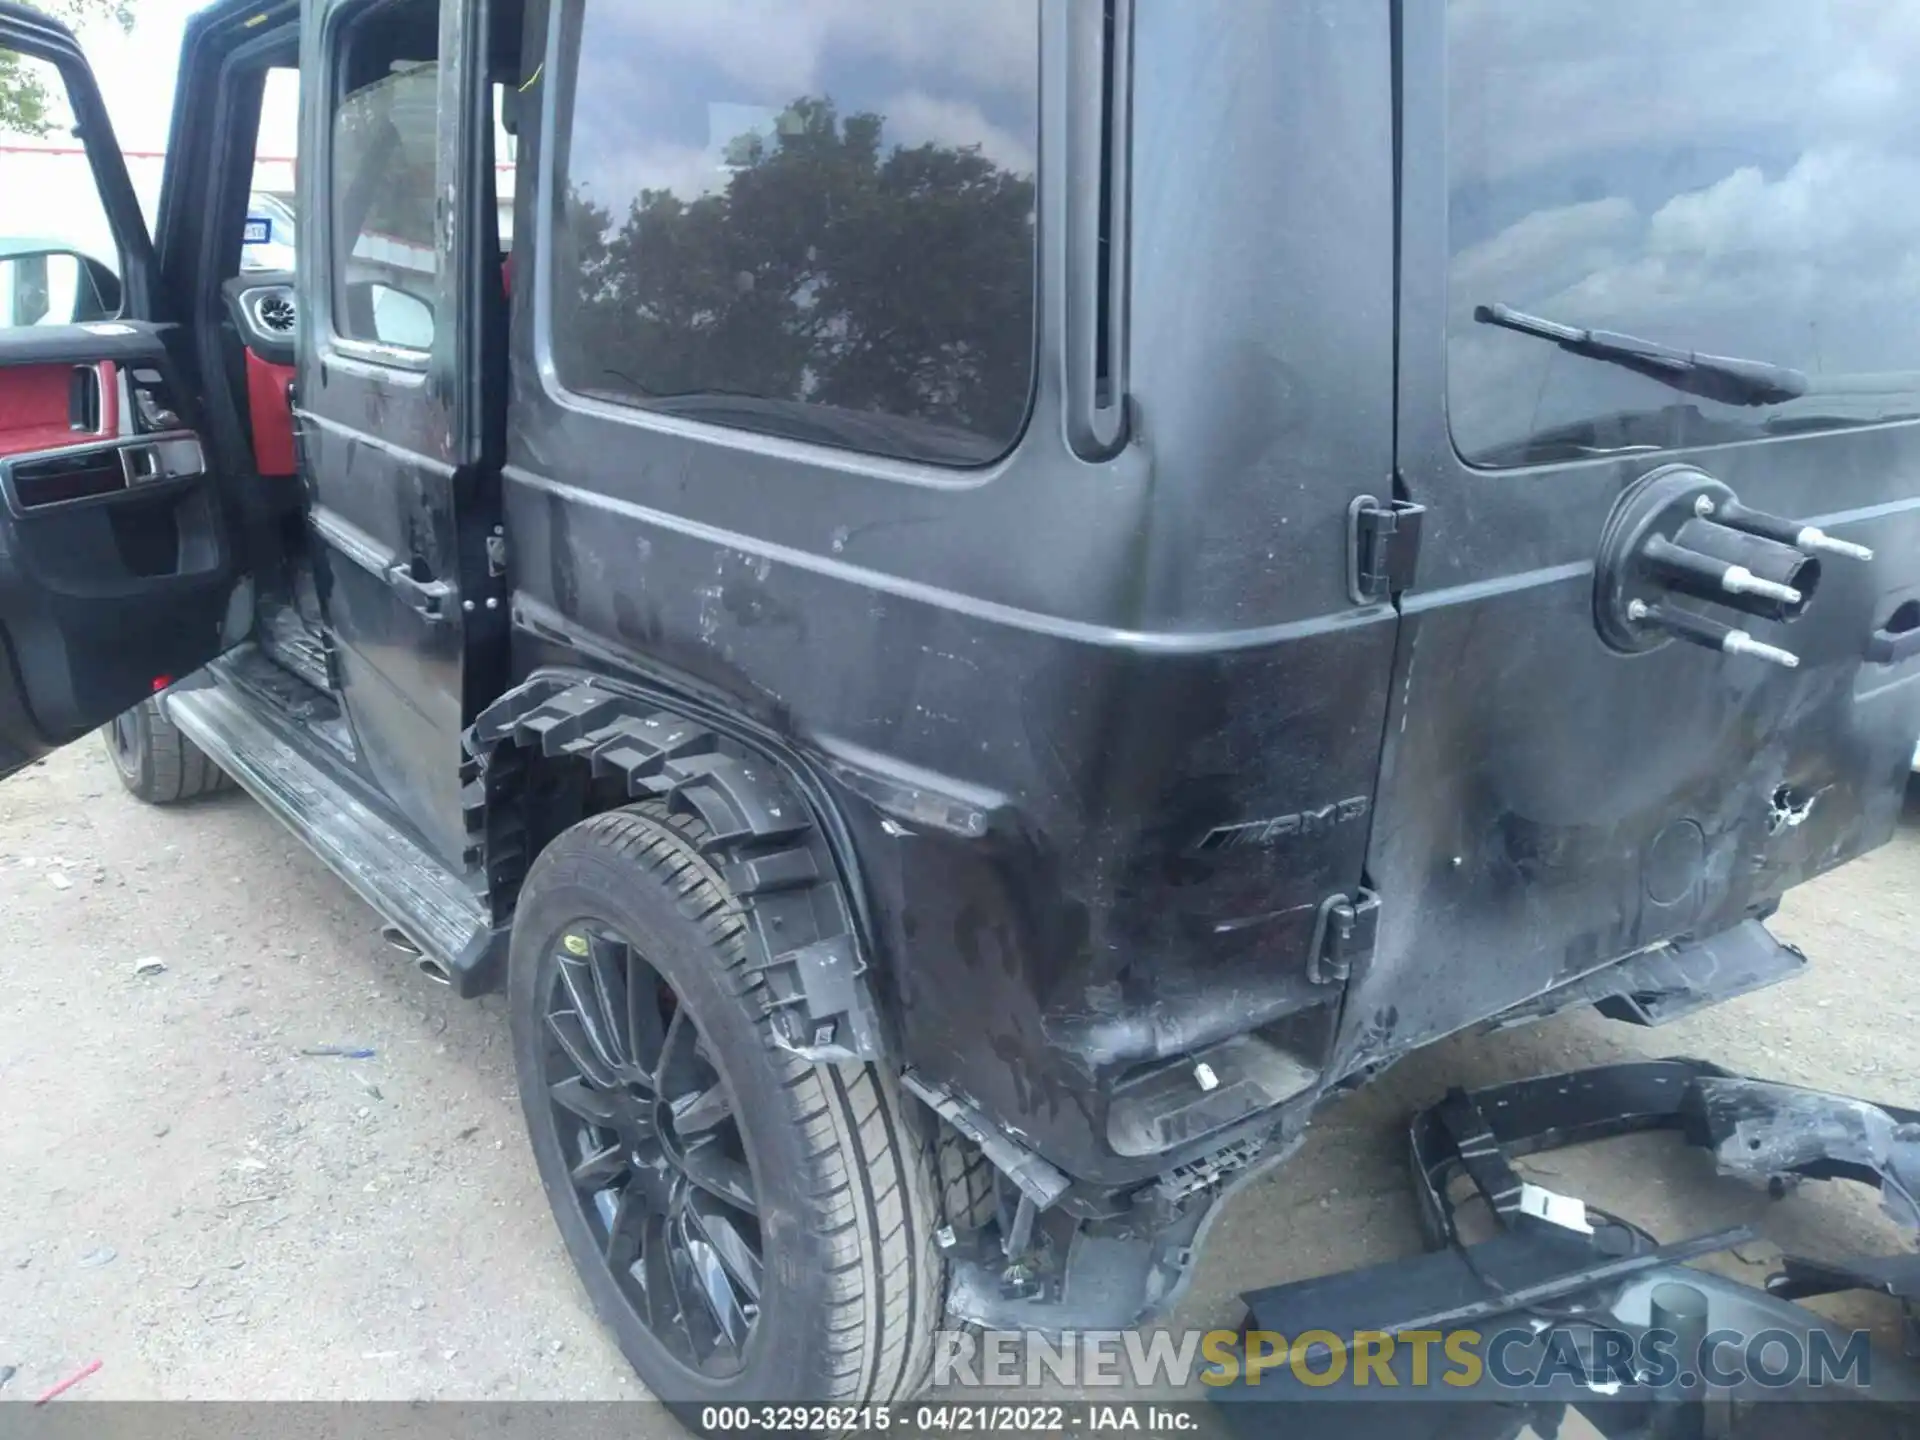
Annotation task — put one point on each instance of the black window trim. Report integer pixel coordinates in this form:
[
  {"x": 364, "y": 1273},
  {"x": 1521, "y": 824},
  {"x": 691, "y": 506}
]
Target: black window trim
[
  {"x": 558, "y": 87},
  {"x": 1099, "y": 124}
]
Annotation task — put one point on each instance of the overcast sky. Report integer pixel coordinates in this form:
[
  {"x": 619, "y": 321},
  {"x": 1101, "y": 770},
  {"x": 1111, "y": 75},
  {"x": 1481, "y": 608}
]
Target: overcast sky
[
  {"x": 51, "y": 196},
  {"x": 136, "y": 74}
]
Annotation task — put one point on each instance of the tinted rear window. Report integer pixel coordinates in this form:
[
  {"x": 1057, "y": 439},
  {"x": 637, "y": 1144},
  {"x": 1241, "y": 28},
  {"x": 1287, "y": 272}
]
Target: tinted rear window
[
  {"x": 811, "y": 218},
  {"x": 1734, "y": 177}
]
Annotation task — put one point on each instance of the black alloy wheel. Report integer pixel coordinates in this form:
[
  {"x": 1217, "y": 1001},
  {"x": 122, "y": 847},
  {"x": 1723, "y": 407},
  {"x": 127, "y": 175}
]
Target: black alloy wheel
[
  {"x": 751, "y": 1227},
  {"x": 659, "y": 1164}
]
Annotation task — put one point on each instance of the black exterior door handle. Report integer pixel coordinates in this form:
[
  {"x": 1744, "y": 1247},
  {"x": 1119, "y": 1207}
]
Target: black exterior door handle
[
  {"x": 431, "y": 598},
  {"x": 1890, "y": 647},
  {"x": 1899, "y": 638}
]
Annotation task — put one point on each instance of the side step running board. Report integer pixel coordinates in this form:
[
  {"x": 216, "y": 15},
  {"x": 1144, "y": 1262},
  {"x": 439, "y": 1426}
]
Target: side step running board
[{"x": 428, "y": 903}]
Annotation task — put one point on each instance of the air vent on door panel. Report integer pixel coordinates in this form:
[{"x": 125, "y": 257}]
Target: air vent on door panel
[{"x": 274, "y": 312}]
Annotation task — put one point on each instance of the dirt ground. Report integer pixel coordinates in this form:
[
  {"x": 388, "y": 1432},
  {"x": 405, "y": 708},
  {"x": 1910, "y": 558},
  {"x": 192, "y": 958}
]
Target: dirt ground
[{"x": 187, "y": 1196}]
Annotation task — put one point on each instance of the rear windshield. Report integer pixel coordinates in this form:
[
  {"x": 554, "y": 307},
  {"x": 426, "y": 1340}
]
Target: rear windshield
[{"x": 1734, "y": 177}]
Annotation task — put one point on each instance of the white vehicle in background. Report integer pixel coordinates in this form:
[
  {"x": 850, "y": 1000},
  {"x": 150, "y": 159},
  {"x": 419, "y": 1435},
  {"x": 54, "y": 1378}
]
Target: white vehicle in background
[{"x": 270, "y": 231}]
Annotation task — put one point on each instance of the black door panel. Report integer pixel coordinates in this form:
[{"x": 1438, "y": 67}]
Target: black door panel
[
  {"x": 114, "y": 567},
  {"x": 399, "y": 638},
  {"x": 116, "y": 574},
  {"x": 391, "y": 465},
  {"x": 383, "y": 526}
]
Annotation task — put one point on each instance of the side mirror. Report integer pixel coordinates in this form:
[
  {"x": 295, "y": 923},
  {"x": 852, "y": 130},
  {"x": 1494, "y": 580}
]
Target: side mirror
[
  {"x": 400, "y": 318},
  {"x": 55, "y": 287}
]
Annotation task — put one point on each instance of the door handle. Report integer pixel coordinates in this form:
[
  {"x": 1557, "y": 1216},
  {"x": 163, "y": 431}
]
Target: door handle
[
  {"x": 1891, "y": 646},
  {"x": 429, "y": 597}
]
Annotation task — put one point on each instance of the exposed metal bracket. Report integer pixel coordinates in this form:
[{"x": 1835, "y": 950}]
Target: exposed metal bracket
[{"x": 1034, "y": 1177}]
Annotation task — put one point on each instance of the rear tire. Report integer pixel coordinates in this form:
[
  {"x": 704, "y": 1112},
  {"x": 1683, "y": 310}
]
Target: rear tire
[
  {"x": 155, "y": 761},
  {"x": 624, "y": 931},
  {"x": 967, "y": 1199}
]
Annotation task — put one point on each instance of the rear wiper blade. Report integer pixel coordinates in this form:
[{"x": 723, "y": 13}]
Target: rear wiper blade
[{"x": 1717, "y": 377}]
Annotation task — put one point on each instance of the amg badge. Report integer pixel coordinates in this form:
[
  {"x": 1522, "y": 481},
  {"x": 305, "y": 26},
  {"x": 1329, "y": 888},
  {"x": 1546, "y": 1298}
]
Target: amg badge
[{"x": 1280, "y": 827}]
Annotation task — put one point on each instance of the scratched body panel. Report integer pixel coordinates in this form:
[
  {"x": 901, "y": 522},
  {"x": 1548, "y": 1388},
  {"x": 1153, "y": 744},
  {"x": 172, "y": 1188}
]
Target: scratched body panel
[{"x": 1105, "y": 660}]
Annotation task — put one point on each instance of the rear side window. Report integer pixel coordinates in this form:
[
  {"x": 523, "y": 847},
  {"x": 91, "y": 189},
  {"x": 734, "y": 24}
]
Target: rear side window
[
  {"x": 809, "y": 218},
  {"x": 386, "y": 280},
  {"x": 1738, "y": 178}
]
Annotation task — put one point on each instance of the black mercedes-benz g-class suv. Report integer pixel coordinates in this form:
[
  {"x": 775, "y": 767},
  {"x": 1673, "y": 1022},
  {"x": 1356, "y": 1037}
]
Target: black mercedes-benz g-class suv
[{"x": 974, "y": 606}]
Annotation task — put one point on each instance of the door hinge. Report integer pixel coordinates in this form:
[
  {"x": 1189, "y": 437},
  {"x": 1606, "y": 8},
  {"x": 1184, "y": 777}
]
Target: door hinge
[
  {"x": 1383, "y": 548},
  {"x": 1344, "y": 933}
]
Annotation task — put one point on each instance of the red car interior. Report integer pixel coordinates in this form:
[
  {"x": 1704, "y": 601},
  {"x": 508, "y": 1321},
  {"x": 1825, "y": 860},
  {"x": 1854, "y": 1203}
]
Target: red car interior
[
  {"x": 38, "y": 407},
  {"x": 271, "y": 415}
]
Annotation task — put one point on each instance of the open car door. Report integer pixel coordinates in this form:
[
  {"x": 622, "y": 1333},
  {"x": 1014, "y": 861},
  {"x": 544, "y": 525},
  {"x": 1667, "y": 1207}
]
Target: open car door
[{"x": 115, "y": 569}]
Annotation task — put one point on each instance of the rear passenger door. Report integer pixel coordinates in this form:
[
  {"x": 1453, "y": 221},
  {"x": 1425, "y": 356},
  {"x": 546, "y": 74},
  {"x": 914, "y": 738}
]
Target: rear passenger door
[{"x": 391, "y": 445}]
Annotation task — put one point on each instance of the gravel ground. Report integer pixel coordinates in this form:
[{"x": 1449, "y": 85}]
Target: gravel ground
[{"x": 215, "y": 1214}]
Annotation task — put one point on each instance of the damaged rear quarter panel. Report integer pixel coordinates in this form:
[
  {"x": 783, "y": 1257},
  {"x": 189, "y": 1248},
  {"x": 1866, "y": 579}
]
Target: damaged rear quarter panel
[
  {"x": 1069, "y": 673},
  {"x": 1028, "y": 809}
]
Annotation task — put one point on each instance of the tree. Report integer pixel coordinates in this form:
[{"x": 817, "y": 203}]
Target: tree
[
  {"x": 830, "y": 271},
  {"x": 27, "y": 98}
]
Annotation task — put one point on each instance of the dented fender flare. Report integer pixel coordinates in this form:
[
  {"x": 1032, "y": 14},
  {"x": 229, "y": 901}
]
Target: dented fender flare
[{"x": 773, "y": 835}]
